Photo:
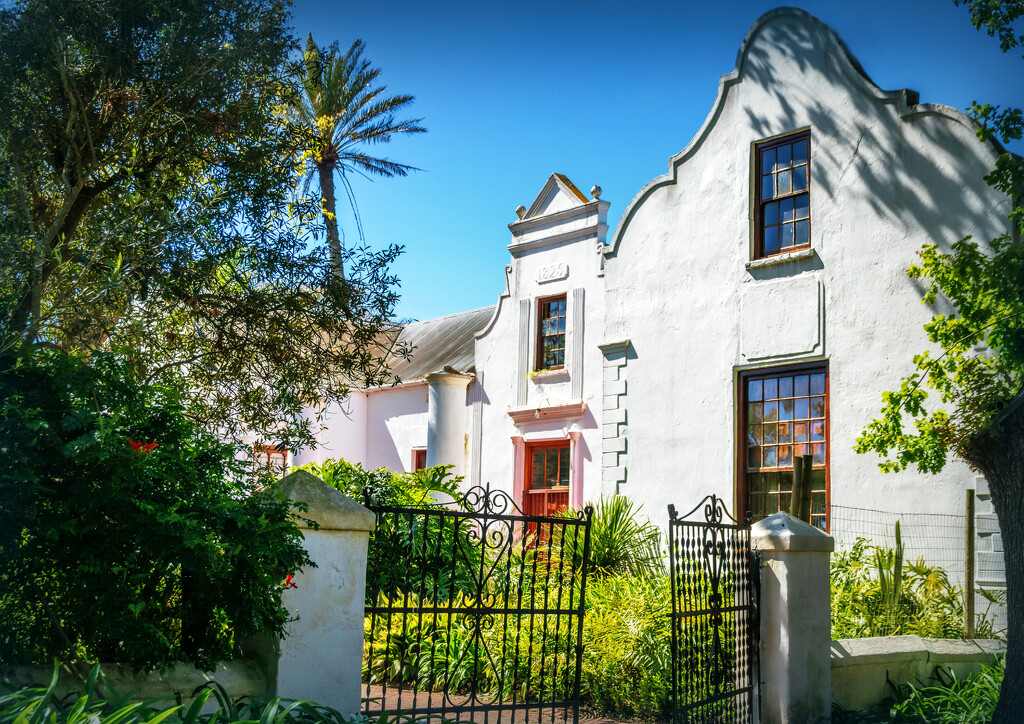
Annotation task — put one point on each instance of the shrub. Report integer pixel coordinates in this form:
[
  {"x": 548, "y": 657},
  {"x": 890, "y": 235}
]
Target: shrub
[
  {"x": 875, "y": 593},
  {"x": 627, "y": 633},
  {"x": 382, "y": 487},
  {"x": 126, "y": 534},
  {"x": 402, "y": 556},
  {"x": 621, "y": 542}
]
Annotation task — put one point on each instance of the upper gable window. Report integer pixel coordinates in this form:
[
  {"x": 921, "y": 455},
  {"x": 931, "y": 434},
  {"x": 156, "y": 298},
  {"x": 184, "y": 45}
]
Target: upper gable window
[
  {"x": 551, "y": 333},
  {"x": 783, "y": 195}
]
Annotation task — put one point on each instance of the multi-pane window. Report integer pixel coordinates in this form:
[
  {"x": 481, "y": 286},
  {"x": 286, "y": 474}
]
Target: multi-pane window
[
  {"x": 546, "y": 488},
  {"x": 783, "y": 195},
  {"x": 551, "y": 333},
  {"x": 785, "y": 415},
  {"x": 270, "y": 459}
]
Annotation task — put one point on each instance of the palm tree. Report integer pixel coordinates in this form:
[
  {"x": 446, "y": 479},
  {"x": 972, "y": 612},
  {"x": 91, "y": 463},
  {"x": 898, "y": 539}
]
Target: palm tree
[{"x": 339, "y": 112}]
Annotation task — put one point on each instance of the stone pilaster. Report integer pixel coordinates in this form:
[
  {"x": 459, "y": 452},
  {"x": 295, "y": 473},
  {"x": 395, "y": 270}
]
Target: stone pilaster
[{"x": 614, "y": 449}]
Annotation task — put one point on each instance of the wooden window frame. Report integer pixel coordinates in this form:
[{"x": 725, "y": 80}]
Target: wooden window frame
[
  {"x": 261, "y": 449},
  {"x": 417, "y": 452},
  {"x": 528, "y": 489},
  {"x": 742, "y": 498},
  {"x": 538, "y": 360},
  {"x": 759, "y": 202}
]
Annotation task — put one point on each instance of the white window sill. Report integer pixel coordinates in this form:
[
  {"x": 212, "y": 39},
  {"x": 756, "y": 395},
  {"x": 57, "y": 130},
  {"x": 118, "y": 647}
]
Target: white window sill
[
  {"x": 550, "y": 375},
  {"x": 801, "y": 255}
]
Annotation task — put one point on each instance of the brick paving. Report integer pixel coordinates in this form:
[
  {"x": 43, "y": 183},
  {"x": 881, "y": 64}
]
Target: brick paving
[{"x": 395, "y": 702}]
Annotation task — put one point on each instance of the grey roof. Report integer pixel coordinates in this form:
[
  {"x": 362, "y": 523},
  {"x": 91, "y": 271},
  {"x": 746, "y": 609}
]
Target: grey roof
[{"x": 439, "y": 343}]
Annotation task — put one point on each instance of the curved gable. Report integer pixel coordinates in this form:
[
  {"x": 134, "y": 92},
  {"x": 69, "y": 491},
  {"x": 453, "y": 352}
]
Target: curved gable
[{"x": 798, "y": 36}]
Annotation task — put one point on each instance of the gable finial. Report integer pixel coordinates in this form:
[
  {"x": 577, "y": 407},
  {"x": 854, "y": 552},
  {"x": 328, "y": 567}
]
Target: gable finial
[
  {"x": 520, "y": 211},
  {"x": 596, "y": 191}
]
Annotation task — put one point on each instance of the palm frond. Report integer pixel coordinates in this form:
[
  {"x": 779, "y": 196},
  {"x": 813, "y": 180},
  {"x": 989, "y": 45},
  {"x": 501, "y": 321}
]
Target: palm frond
[{"x": 342, "y": 108}]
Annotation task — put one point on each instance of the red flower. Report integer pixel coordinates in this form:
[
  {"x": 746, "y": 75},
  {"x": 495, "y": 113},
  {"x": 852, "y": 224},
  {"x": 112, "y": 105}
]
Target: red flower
[
  {"x": 135, "y": 445},
  {"x": 149, "y": 446},
  {"x": 289, "y": 583},
  {"x": 143, "y": 447}
]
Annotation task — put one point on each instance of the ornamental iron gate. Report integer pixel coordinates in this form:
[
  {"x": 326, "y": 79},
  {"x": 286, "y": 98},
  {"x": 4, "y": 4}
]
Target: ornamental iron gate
[
  {"x": 475, "y": 611},
  {"x": 715, "y": 626}
]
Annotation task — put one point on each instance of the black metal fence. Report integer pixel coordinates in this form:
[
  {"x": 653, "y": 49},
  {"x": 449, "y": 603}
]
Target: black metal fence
[
  {"x": 715, "y": 627},
  {"x": 476, "y": 611}
]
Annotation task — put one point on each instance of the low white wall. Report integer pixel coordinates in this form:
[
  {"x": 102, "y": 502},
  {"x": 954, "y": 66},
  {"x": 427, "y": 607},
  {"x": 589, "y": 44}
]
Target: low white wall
[
  {"x": 242, "y": 677},
  {"x": 320, "y": 656},
  {"x": 860, "y": 667}
]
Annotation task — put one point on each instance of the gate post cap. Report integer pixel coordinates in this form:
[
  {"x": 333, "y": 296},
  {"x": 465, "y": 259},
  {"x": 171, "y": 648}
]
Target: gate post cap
[
  {"x": 784, "y": 532},
  {"x": 329, "y": 507}
]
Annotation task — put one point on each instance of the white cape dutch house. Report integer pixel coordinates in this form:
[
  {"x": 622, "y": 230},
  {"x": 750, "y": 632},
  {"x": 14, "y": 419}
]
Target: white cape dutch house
[{"x": 751, "y": 306}]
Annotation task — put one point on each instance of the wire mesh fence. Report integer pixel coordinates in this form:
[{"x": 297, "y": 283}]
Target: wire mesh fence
[{"x": 937, "y": 538}]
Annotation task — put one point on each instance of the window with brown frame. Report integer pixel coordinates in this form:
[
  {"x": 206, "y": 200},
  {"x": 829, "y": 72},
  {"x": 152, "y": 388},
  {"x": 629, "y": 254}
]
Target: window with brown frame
[
  {"x": 546, "y": 486},
  {"x": 419, "y": 458},
  {"x": 783, "y": 413},
  {"x": 270, "y": 459},
  {"x": 783, "y": 222},
  {"x": 550, "y": 333}
]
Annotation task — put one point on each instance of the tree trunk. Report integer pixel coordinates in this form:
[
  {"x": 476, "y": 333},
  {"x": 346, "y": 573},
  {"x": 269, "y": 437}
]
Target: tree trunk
[
  {"x": 329, "y": 209},
  {"x": 999, "y": 454}
]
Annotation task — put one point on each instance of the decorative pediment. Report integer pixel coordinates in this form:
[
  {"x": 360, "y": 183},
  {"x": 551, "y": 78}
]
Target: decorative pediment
[
  {"x": 568, "y": 412},
  {"x": 558, "y": 194}
]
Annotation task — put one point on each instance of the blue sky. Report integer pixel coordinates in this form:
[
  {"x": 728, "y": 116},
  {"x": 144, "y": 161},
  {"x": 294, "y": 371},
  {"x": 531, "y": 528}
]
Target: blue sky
[{"x": 604, "y": 92}]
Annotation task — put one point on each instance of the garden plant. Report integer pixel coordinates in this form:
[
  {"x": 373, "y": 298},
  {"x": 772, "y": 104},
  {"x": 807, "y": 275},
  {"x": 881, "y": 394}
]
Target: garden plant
[
  {"x": 947, "y": 700},
  {"x": 99, "y": 703},
  {"x": 875, "y": 592},
  {"x": 127, "y": 534}
]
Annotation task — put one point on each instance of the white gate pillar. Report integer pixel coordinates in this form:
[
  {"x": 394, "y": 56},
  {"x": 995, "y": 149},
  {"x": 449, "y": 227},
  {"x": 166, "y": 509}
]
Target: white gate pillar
[
  {"x": 796, "y": 621},
  {"x": 321, "y": 654}
]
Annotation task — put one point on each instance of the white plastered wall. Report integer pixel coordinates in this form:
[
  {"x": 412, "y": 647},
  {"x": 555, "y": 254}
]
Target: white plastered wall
[
  {"x": 886, "y": 178},
  {"x": 376, "y": 428}
]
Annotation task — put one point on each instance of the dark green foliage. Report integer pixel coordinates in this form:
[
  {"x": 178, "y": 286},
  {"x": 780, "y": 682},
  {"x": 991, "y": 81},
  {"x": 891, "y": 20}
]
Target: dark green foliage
[
  {"x": 148, "y": 206},
  {"x": 111, "y": 553},
  {"x": 403, "y": 555}
]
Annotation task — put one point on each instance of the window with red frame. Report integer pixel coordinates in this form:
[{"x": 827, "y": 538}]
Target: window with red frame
[
  {"x": 546, "y": 486},
  {"x": 270, "y": 459},
  {"x": 783, "y": 195},
  {"x": 550, "y": 333},
  {"x": 783, "y": 414},
  {"x": 419, "y": 458}
]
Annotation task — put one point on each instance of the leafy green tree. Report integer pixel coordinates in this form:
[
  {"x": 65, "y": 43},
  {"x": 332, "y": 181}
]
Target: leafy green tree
[
  {"x": 148, "y": 205},
  {"x": 340, "y": 112},
  {"x": 980, "y": 419},
  {"x": 127, "y": 534}
]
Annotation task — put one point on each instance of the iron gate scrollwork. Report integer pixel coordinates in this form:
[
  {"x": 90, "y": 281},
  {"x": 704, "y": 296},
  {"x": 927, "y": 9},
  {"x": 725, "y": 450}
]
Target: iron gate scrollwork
[
  {"x": 715, "y": 626},
  {"x": 475, "y": 610}
]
